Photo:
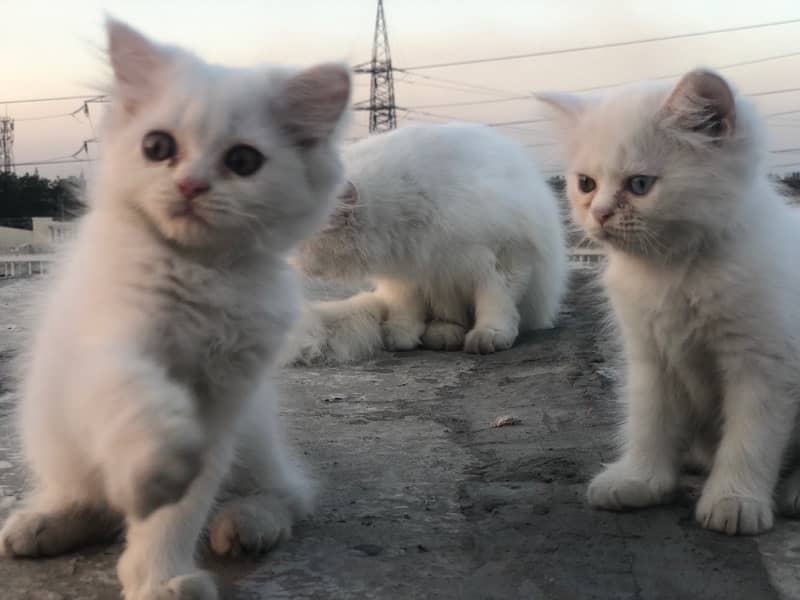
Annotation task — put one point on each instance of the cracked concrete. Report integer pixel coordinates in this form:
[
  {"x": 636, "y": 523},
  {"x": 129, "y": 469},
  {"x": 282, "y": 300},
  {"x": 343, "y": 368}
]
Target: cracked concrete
[{"x": 421, "y": 498}]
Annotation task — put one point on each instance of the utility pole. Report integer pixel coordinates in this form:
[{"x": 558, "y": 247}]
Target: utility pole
[
  {"x": 381, "y": 106},
  {"x": 6, "y": 144}
]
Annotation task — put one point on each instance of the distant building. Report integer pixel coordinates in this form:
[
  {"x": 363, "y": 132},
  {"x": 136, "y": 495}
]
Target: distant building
[{"x": 44, "y": 235}]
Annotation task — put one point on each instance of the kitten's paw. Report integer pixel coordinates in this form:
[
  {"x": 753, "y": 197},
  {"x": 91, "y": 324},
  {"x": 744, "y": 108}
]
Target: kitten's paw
[
  {"x": 194, "y": 586},
  {"x": 400, "y": 336},
  {"x": 699, "y": 458},
  {"x": 442, "y": 335},
  {"x": 789, "y": 495},
  {"x": 734, "y": 515},
  {"x": 31, "y": 534},
  {"x": 250, "y": 525},
  {"x": 620, "y": 488},
  {"x": 485, "y": 340},
  {"x": 166, "y": 479},
  {"x": 160, "y": 470}
]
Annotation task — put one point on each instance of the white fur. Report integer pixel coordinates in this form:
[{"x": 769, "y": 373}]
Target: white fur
[
  {"x": 460, "y": 234},
  {"x": 703, "y": 280},
  {"x": 147, "y": 398}
]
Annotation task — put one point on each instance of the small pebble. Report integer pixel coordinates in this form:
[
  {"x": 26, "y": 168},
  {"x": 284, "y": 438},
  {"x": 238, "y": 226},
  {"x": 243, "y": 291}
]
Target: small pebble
[
  {"x": 368, "y": 549},
  {"x": 505, "y": 421}
]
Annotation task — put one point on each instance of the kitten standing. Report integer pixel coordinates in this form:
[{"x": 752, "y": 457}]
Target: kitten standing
[
  {"x": 460, "y": 233},
  {"x": 147, "y": 397},
  {"x": 703, "y": 280}
]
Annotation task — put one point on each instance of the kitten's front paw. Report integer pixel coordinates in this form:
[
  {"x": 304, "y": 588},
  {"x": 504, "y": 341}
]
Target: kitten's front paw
[
  {"x": 400, "y": 336},
  {"x": 194, "y": 586},
  {"x": 620, "y": 487},
  {"x": 31, "y": 534},
  {"x": 485, "y": 340},
  {"x": 160, "y": 471},
  {"x": 734, "y": 515},
  {"x": 441, "y": 335},
  {"x": 249, "y": 525}
]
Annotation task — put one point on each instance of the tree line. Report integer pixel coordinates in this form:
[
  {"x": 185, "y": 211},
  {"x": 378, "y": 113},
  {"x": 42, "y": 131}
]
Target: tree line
[{"x": 30, "y": 195}]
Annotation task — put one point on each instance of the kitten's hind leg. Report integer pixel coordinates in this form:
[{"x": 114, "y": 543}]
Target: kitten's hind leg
[
  {"x": 406, "y": 312},
  {"x": 265, "y": 494},
  {"x": 336, "y": 331},
  {"x": 48, "y": 526},
  {"x": 443, "y": 335},
  {"x": 789, "y": 495},
  {"x": 496, "y": 315}
]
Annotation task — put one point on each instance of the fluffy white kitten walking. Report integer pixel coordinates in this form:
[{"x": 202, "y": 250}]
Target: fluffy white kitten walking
[
  {"x": 460, "y": 234},
  {"x": 702, "y": 275},
  {"x": 147, "y": 396}
]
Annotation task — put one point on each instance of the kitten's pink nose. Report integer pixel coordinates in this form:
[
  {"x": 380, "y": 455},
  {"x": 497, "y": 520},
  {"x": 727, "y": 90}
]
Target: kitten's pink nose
[
  {"x": 601, "y": 215},
  {"x": 191, "y": 188}
]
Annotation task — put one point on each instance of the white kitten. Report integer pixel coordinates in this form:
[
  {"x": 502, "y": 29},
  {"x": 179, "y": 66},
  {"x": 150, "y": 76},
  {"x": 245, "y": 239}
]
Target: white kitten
[
  {"x": 147, "y": 396},
  {"x": 460, "y": 234},
  {"x": 702, "y": 277}
]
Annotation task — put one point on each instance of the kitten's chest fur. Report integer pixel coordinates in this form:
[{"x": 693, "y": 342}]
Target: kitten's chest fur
[
  {"x": 212, "y": 329},
  {"x": 680, "y": 319}
]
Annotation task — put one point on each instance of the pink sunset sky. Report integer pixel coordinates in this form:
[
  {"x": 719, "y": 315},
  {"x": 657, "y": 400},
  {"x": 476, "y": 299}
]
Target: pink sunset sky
[{"x": 55, "y": 49}]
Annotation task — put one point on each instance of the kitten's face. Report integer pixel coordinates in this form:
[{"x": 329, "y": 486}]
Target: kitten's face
[
  {"x": 652, "y": 172},
  {"x": 217, "y": 157},
  {"x": 335, "y": 250}
]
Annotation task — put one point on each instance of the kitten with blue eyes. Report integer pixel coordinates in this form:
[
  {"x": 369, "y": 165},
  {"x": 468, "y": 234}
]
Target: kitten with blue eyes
[
  {"x": 148, "y": 401},
  {"x": 703, "y": 281}
]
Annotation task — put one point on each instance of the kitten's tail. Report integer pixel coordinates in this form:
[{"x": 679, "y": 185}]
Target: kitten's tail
[{"x": 336, "y": 332}]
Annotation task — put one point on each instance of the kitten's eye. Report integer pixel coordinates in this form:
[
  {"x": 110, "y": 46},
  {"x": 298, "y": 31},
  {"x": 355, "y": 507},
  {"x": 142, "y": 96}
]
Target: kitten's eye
[
  {"x": 243, "y": 160},
  {"x": 158, "y": 146},
  {"x": 640, "y": 185},
  {"x": 586, "y": 184}
]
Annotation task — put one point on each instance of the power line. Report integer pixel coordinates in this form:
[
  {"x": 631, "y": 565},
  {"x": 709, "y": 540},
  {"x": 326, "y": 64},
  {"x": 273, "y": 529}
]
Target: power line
[
  {"x": 772, "y": 92},
  {"x": 449, "y": 87},
  {"x": 53, "y": 99},
  {"x": 481, "y": 88},
  {"x": 734, "y": 65},
  {"x": 474, "y": 102},
  {"x": 610, "y": 85},
  {"x": 785, "y": 165},
  {"x": 438, "y": 116},
  {"x": 524, "y": 121},
  {"x": 785, "y": 151},
  {"x": 782, "y": 113},
  {"x": 618, "y": 84},
  {"x": 50, "y": 162},
  {"x": 45, "y": 117},
  {"x": 602, "y": 46}
]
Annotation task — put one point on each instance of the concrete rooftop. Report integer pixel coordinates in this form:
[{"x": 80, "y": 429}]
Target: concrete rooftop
[{"x": 421, "y": 498}]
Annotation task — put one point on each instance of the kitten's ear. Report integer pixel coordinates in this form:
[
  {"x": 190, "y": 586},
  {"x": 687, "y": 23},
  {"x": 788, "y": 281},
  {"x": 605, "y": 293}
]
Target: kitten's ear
[
  {"x": 703, "y": 102},
  {"x": 136, "y": 62},
  {"x": 345, "y": 212},
  {"x": 567, "y": 107},
  {"x": 314, "y": 102}
]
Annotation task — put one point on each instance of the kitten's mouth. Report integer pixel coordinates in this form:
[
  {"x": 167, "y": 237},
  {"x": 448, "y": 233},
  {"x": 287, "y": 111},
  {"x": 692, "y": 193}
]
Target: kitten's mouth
[{"x": 186, "y": 211}]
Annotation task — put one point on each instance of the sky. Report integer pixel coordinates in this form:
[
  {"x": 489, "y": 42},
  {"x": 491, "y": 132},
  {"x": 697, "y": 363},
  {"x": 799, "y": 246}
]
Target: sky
[{"x": 55, "y": 49}]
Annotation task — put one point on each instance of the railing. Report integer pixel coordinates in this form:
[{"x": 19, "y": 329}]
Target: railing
[
  {"x": 28, "y": 265},
  {"x": 586, "y": 257},
  {"x": 24, "y": 265}
]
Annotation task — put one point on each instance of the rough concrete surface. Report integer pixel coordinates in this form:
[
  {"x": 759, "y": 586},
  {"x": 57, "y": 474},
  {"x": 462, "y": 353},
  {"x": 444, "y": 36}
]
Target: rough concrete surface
[{"x": 421, "y": 498}]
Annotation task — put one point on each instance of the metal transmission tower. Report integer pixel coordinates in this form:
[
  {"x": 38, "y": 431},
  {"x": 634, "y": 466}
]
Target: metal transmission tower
[
  {"x": 381, "y": 106},
  {"x": 6, "y": 144}
]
